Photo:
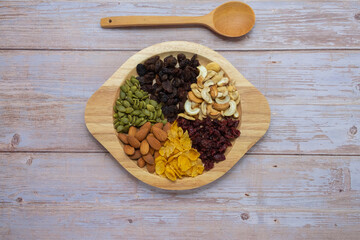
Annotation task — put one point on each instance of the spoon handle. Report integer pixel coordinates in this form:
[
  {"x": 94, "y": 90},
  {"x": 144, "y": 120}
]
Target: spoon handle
[{"x": 140, "y": 21}]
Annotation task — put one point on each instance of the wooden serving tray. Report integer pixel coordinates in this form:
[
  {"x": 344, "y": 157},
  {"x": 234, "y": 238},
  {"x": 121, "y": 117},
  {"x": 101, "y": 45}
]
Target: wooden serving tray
[{"x": 255, "y": 114}]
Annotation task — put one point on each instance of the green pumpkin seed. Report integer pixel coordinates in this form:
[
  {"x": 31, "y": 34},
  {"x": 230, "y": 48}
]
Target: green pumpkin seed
[
  {"x": 121, "y": 108},
  {"x": 136, "y": 112},
  {"x": 142, "y": 104},
  {"x": 125, "y": 103},
  {"x": 116, "y": 125},
  {"x": 139, "y": 94},
  {"x": 124, "y": 120},
  {"x": 152, "y": 121},
  {"x": 164, "y": 121},
  {"x": 150, "y": 108},
  {"x": 146, "y": 112},
  {"x": 120, "y": 128},
  {"x": 153, "y": 103},
  {"x": 138, "y": 121},
  {"x": 133, "y": 89},
  {"x": 126, "y": 129},
  {"x": 143, "y": 122},
  {"x": 125, "y": 88},
  {"x": 162, "y": 116},
  {"x": 129, "y": 110},
  {"x": 134, "y": 80},
  {"x": 121, "y": 114},
  {"x": 151, "y": 115},
  {"x": 142, "y": 114},
  {"x": 130, "y": 94},
  {"x": 122, "y": 95},
  {"x": 115, "y": 109},
  {"x": 130, "y": 118},
  {"x": 116, "y": 115},
  {"x": 133, "y": 120},
  {"x": 155, "y": 115},
  {"x": 118, "y": 102},
  {"x": 128, "y": 83},
  {"x": 130, "y": 100},
  {"x": 147, "y": 101}
]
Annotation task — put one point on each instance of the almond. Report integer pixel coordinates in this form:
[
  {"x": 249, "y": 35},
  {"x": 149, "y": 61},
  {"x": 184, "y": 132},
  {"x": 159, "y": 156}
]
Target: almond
[
  {"x": 157, "y": 125},
  {"x": 150, "y": 168},
  {"x": 160, "y": 134},
  {"x": 153, "y": 142},
  {"x": 129, "y": 150},
  {"x": 123, "y": 138},
  {"x": 133, "y": 141},
  {"x": 151, "y": 151},
  {"x": 167, "y": 127},
  {"x": 140, "y": 162},
  {"x": 136, "y": 155},
  {"x": 156, "y": 154},
  {"x": 149, "y": 158},
  {"x": 144, "y": 147},
  {"x": 147, "y": 125},
  {"x": 132, "y": 131},
  {"x": 142, "y": 133}
]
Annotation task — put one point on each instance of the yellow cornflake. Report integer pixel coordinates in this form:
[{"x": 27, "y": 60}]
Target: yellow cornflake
[{"x": 177, "y": 157}]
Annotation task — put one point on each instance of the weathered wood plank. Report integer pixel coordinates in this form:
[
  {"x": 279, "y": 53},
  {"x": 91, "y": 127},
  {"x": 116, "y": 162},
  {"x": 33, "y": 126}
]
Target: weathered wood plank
[
  {"x": 314, "y": 98},
  {"x": 75, "y": 25},
  {"x": 74, "y": 195}
]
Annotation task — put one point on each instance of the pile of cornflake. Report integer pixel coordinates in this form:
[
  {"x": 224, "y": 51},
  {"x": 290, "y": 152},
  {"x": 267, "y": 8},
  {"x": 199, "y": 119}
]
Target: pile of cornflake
[{"x": 177, "y": 158}]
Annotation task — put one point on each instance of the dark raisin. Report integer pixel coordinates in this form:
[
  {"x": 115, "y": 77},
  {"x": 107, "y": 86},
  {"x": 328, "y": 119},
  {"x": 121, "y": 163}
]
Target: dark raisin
[
  {"x": 141, "y": 69},
  {"x": 150, "y": 67},
  {"x": 158, "y": 65},
  {"x": 167, "y": 86},
  {"x": 170, "y": 61},
  {"x": 151, "y": 60},
  {"x": 181, "y": 57}
]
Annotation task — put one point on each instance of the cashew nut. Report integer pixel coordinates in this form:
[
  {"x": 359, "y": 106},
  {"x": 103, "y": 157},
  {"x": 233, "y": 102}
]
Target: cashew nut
[
  {"x": 237, "y": 101},
  {"x": 196, "y": 92},
  {"x": 212, "y": 112},
  {"x": 194, "y": 105},
  {"x": 200, "y": 81},
  {"x": 210, "y": 74},
  {"x": 213, "y": 91},
  {"x": 230, "y": 88},
  {"x": 201, "y": 116},
  {"x": 213, "y": 66},
  {"x": 221, "y": 107},
  {"x": 193, "y": 86},
  {"x": 222, "y": 92},
  {"x": 209, "y": 83},
  {"x": 218, "y": 77},
  {"x": 223, "y": 82},
  {"x": 203, "y": 108},
  {"x": 193, "y": 98},
  {"x": 222, "y": 100},
  {"x": 202, "y": 71},
  {"x": 206, "y": 95},
  {"x": 236, "y": 114},
  {"x": 189, "y": 110},
  {"x": 186, "y": 116},
  {"x": 234, "y": 95},
  {"x": 231, "y": 110}
]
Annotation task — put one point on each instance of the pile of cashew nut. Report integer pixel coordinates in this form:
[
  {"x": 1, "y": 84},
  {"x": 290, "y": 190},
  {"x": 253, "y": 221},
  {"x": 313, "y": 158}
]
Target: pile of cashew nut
[{"x": 213, "y": 95}]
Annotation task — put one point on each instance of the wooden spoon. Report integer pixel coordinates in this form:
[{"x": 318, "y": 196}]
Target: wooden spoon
[{"x": 231, "y": 19}]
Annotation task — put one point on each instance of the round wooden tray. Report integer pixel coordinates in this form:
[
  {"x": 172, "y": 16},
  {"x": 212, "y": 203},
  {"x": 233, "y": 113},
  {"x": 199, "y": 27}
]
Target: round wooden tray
[{"x": 255, "y": 114}]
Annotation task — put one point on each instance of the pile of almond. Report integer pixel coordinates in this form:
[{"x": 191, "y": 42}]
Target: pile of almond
[{"x": 143, "y": 144}]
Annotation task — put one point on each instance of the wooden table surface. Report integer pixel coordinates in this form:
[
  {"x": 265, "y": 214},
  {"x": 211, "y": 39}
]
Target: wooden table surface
[{"x": 301, "y": 181}]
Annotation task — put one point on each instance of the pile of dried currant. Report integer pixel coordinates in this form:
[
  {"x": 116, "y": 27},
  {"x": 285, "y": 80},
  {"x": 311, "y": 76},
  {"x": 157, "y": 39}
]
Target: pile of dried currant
[{"x": 177, "y": 117}]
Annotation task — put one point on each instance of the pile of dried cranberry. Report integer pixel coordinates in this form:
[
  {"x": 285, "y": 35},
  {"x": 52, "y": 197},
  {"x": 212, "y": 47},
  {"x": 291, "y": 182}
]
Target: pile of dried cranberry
[
  {"x": 167, "y": 83},
  {"x": 211, "y": 137}
]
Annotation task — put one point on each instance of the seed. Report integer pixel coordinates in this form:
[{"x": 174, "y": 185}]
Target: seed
[
  {"x": 130, "y": 118},
  {"x": 119, "y": 128},
  {"x": 133, "y": 89},
  {"x": 146, "y": 112},
  {"x": 134, "y": 80},
  {"x": 136, "y": 112},
  {"x": 153, "y": 103},
  {"x": 116, "y": 115},
  {"x": 122, "y": 95},
  {"x": 116, "y": 125},
  {"x": 124, "y": 88},
  {"x": 115, "y": 109},
  {"x": 139, "y": 94},
  {"x": 121, "y": 108},
  {"x": 150, "y": 108},
  {"x": 129, "y": 109},
  {"x": 121, "y": 114},
  {"x": 130, "y": 100},
  {"x": 125, "y": 120},
  {"x": 125, "y": 103}
]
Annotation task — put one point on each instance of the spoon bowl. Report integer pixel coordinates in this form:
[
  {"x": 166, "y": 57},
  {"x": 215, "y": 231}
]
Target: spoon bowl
[{"x": 231, "y": 19}]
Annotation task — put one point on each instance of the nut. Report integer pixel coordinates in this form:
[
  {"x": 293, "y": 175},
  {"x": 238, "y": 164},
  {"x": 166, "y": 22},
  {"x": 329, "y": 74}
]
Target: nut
[
  {"x": 157, "y": 125},
  {"x": 123, "y": 138},
  {"x": 147, "y": 125},
  {"x": 210, "y": 74},
  {"x": 136, "y": 155},
  {"x": 156, "y": 154},
  {"x": 231, "y": 110},
  {"x": 144, "y": 147},
  {"x": 222, "y": 91},
  {"x": 203, "y": 108},
  {"x": 220, "y": 107},
  {"x": 213, "y": 91},
  {"x": 160, "y": 134},
  {"x": 153, "y": 142},
  {"x": 140, "y": 162},
  {"x": 193, "y": 98},
  {"x": 150, "y": 168},
  {"x": 206, "y": 95},
  {"x": 218, "y": 77},
  {"x": 202, "y": 71},
  {"x": 236, "y": 114},
  {"x": 148, "y": 158},
  {"x": 212, "y": 112},
  {"x": 231, "y": 88},
  {"x": 213, "y": 66},
  {"x": 167, "y": 127},
  {"x": 234, "y": 95},
  {"x": 189, "y": 110},
  {"x": 186, "y": 116},
  {"x": 200, "y": 81},
  {"x": 196, "y": 92},
  {"x": 129, "y": 150},
  {"x": 133, "y": 141},
  {"x": 224, "y": 81},
  {"x": 237, "y": 101},
  {"x": 222, "y": 100},
  {"x": 132, "y": 131},
  {"x": 142, "y": 133}
]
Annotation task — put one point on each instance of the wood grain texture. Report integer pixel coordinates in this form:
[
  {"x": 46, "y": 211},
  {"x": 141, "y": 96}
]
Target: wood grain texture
[
  {"x": 75, "y": 25},
  {"x": 254, "y": 111},
  {"x": 88, "y": 195},
  {"x": 314, "y": 98}
]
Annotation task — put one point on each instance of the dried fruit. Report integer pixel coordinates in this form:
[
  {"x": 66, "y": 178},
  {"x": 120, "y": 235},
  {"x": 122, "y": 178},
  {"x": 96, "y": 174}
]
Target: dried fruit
[
  {"x": 176, "y": 158},
  {"x": 129, "y": 150}
]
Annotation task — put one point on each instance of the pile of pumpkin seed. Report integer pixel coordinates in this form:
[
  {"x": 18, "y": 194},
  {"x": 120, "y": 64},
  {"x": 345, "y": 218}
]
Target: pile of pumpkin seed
[{"x": 134, "y": 107}]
